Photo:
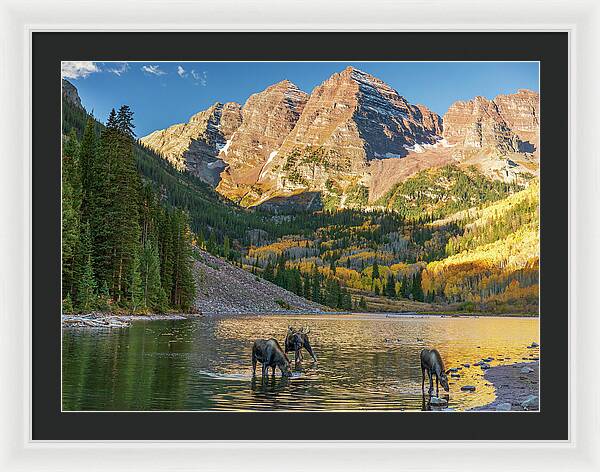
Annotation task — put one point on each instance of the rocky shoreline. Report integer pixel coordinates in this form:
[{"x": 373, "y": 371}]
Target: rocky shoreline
[
  {"x": 115, "y": 320},
  {"x": 517, "y": 387},
  {"x": 112, "y": 320}
]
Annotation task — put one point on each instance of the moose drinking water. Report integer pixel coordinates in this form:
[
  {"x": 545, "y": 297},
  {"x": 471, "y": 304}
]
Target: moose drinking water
[
  {"x": 295, "y": 340},
  {"x": 269, "y": 353},
  {"x": 431, "y": 361}
]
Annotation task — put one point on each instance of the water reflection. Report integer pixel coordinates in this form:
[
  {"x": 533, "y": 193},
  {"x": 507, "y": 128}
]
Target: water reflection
[{"x": 366, "y": 362}]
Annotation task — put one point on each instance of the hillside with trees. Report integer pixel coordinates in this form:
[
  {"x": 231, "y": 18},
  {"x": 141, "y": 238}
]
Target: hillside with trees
[
  {"x": 122, "y": 249},
  {"x": 444, "y": 239}
]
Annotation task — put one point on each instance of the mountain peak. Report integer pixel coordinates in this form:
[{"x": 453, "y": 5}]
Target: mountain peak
[
  {"x": 353, "y": 70},
  {"x": 353, "y": 131},
  {"x": 357, "y": 75},
  {"x": 194, "y": 145},
  {"x": 283, "y": 85},
  {"x": 506, "y": 124},
  {"x": 523, "y": 91}
]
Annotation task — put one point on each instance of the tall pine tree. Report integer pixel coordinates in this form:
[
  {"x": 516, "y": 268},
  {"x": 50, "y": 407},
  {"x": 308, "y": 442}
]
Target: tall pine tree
[{"x": 71, "y": 206}]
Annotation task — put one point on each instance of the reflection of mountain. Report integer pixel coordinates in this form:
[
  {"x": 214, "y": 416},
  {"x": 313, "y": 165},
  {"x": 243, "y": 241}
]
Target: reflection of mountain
[{"x": 353, "y": 132}]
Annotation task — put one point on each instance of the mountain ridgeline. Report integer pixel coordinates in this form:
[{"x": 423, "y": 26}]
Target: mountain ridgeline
[
  {"x": 352, "y": 134},
  {"x": 349, "y": 197}
]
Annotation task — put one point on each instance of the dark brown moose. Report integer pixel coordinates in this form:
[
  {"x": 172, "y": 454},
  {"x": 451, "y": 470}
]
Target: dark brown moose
[
  {"x": 269, "y": 353},
  {"x": 431, "y": 361},
  {"x": 295, "y": 340}
]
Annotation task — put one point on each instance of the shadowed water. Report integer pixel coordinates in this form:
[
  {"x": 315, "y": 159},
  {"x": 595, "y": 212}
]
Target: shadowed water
[{"x": 365, "y": 362}]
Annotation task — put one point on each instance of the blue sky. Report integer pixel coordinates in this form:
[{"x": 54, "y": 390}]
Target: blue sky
[{"x": 165, "y": 93}]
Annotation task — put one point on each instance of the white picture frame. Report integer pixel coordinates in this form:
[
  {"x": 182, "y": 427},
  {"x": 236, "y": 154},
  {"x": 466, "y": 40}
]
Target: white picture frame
[{"x": 18, "y": 19}]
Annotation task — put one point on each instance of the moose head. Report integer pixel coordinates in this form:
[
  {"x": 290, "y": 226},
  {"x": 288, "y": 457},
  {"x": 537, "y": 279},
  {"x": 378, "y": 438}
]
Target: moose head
[
  {"x": 444, "y": 380},
  {"x": 304, "y": 330}
]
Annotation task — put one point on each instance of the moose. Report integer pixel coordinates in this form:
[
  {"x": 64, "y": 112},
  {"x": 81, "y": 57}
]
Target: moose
[
  {"x": 431, "y": 361},
  {"x": 295, "y": 340},
  {"x": 269, "y": 353}
]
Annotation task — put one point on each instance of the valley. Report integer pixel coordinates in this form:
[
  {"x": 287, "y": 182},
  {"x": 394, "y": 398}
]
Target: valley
[{"x": 351, "y": 198}]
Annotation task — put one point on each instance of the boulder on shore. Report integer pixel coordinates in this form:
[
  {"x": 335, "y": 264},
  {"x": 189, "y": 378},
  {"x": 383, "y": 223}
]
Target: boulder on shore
[{"x": 530, "y": 403}]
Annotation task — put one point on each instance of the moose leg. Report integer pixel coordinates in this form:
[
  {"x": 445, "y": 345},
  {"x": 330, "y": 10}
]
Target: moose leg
[
  {"x": 430, "y": 382},
  {"x": 308, "y": 347},
  {"x": 253, "y": 365},
  {"x": 273, "y": 371},
  {"x": 437, "y": 385},
  {"x": 422, "y": 380},
  {"x": 265, "y": 369}
]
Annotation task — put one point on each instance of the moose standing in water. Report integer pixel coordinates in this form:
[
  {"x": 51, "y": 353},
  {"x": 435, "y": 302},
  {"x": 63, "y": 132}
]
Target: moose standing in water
[
  {"x": 431, "y": 361},
  {"x": 295, "y": 340},
  {"x": 269, "y": 353}
]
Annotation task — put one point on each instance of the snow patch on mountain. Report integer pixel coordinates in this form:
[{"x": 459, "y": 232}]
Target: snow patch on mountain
[
  {"x": 269, "y": 159},
  {"x": 224, "y": 147}
]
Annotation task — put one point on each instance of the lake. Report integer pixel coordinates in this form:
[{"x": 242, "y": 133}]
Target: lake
[{"x": 365, "y": 362}]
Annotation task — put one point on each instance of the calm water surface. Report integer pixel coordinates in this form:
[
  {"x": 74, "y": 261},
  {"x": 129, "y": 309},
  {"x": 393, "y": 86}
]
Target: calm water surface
[{"x": 365, "y": 362}]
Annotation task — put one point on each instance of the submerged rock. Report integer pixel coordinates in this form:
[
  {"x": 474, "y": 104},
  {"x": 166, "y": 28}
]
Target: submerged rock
[
  {"x": 437, "y": 401},
  {"x": 504, "y": 407},
  {"x": 468, "y": 388},
  {"x": 526, "y": 370}
]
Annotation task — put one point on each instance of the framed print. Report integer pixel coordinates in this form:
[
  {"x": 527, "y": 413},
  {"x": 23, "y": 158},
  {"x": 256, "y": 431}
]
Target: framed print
[
  {"x": 291, "y": 255},
  {"x": 296, "y": 241}
]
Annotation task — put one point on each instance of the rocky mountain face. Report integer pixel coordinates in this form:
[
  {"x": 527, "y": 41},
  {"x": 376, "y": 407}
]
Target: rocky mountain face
[
  {"x": 521, "y": 112},
  {"x": 508, "y": 123},
  {"x": 478, "y": 124},
  {"x": 349, "y": 141},
  {"x": 266, "y": 119},
  {"x": 195, "y": 146},
  {"x": 499, "y": 136},
  {"x": 69, "y": 92},
  {"x": 349, "y": 120}
]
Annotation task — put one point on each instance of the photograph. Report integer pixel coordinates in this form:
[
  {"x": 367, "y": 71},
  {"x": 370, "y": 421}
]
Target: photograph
[{"x": 300, "y": 236}]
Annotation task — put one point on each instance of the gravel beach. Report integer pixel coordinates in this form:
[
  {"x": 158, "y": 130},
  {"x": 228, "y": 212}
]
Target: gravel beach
[{"x": 516, "y": 387}]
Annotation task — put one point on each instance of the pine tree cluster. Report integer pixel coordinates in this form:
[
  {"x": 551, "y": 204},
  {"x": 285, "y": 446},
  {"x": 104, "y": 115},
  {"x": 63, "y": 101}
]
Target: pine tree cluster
[{"x": 121, "y": 249}]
